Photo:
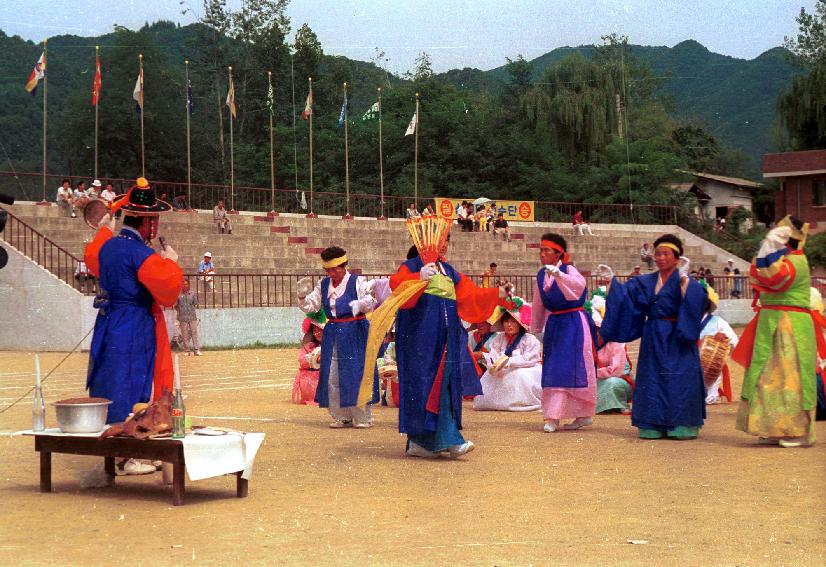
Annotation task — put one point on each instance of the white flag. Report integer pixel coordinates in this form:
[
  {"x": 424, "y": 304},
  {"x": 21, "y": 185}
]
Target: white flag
[
  {"x": 371, "y": 112},
  {"x": 411, "y": 128},
  {"x": 137, "y": 93}
]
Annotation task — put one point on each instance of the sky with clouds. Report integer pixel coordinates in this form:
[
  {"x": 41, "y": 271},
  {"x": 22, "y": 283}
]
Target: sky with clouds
[{"x": 455, "y": 33}]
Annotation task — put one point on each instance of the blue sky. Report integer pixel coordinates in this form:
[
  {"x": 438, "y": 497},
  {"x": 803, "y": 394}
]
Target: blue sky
[{"x": 456, "y": 33}]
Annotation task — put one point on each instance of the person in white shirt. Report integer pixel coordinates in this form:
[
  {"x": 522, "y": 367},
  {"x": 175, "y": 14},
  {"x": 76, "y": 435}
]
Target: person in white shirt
[
  {"x": 107, "y": 194},
  {"x": 93, "y": 192},
  {"x": 345, "y": 299},
  {"x": 65, "y": 198}
]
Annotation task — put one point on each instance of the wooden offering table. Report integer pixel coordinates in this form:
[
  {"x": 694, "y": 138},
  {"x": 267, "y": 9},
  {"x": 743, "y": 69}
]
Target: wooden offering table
[{"x": 166, "y": 450}]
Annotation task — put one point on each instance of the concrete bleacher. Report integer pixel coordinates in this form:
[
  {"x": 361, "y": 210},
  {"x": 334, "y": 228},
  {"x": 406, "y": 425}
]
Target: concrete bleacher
[{"x": 289, "y": 244}]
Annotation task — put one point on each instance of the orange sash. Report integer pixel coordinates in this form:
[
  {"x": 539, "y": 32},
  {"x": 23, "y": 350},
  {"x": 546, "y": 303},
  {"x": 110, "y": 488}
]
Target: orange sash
[{"x": 743, "y": 352}]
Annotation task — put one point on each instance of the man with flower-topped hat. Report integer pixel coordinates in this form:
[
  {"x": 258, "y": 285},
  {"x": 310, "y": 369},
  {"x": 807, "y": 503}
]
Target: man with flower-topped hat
[{"x": 130, "y": 351}]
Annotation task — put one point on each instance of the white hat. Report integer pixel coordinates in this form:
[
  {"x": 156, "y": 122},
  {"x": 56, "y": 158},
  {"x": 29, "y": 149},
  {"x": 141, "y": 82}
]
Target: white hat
[
  {"x": 209, "y": 254},
  {"x": 730, "y": 260},
  {"x": 96, "y": 183}
]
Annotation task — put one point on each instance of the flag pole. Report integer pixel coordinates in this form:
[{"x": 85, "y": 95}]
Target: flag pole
[
  {"x": 97, "y": 102},
  {"x": 140, "y": 74},
  {"x": 381, "y": 165},
  {"x": 231, "y": 151},
  {"x": 295, "y": 138},
  {"x": 45, "y": 114},
  {"x": 416, "y": 158},
  {"x": 347, "y": 215},
  {"x": 188, "y": 142},
  {"x": 312, "y": 210},
  {"x": 270, "y": 104}
]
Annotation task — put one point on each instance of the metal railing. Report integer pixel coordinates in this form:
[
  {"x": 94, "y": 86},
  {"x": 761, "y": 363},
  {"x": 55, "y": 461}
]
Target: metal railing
[
  {"x": 29, "y": 187},
  {"x": 279, "y": 290},
  {"x": 46, "y": 253}
]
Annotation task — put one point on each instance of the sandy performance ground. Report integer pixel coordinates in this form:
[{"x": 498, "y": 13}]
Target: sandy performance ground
[{"x": 350, "y": 497}]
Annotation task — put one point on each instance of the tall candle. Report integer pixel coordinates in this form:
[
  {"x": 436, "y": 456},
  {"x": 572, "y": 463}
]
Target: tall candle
[{"x": 177, "y": 372}]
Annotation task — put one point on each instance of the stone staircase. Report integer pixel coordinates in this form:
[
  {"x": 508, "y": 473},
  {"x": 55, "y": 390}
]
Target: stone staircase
[{"x": 290, "y": 244}]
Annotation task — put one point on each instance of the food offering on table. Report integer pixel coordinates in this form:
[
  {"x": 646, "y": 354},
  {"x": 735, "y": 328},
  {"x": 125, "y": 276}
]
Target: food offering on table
[
  {"x": 81, "y": 415},
  {"x": 155, "y": 420},
  {"x": 390, "y": 372}
]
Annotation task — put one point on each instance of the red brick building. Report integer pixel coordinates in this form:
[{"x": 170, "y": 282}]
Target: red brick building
[{"x": 802, "y": 193}]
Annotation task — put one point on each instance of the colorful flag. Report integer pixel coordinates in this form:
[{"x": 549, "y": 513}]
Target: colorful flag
[
  {"x": 270, "y": 99},
  {"x": 96, "y": 83},
  {"x": 189, "y": 103},
  {"x": 308, "y": 106},
  {"x": 371, "y": 112},
  {"x": 37, "y": 73},
  {"x": 343, "y": 112},
  {"x": 231, "y": 97},
  {"x": 137, "y": 93},
  {"x": 411, "y": 128}
]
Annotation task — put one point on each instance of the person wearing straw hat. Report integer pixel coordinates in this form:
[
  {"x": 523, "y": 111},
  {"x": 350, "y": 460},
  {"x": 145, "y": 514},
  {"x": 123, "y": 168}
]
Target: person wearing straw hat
[
  {"x": 345, "y": 299},
  {"x": 130, "y": 350},
  {"x": 780, "y": 346},
  {"x": 715, "y": 326},
  {"x": 513, "y": 381},
  {"x": 309, "y": 359},
  {"x": 665, "y": 309},
  {"x": 569, "y": 388}
]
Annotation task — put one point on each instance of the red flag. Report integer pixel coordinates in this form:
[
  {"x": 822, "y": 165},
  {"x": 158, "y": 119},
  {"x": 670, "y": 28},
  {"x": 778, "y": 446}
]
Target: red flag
[
  {"x": 97, "y": 82},
  {"x": 308, "y": 106}
]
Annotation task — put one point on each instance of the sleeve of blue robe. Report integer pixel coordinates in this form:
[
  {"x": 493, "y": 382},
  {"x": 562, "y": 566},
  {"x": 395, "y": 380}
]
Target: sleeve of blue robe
[
  {"x": 624, "y": 311},
  {"x": 691, "y": 312}
]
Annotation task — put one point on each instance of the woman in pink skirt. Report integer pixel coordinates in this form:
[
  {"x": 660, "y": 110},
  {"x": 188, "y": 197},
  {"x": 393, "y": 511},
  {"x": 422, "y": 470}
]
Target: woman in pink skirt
[{"x": 569, "y": 385}]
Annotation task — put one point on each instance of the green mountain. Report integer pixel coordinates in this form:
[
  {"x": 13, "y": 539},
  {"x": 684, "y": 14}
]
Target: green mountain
[{"x": 732, "y": 99}]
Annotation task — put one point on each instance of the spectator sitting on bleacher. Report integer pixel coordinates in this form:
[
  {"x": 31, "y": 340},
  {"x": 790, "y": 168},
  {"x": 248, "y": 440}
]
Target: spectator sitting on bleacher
[
  {"x": 635, "y": 272},
  {"x": 461, "y": 216},
  {"x": 647, "y": 255},
  {"x": 65, "y": 199},
  {"x": 412, "y": 213},
  {"x": 428, "y": 210},
  {"x": 179, "y": 203},
  {"x": 108, "y": 194},
  {"x": 93, "y": 192},
  {"x": 79, "y": 196},
  {"x": 580, "y": 225},
  {"x": 500, "y": 226},
  {"x": 219, "y": 215}
]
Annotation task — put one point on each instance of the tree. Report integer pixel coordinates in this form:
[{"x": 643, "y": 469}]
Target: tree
[
  {"x": 810, "y": 43},
  {"x": 574, "y": 102},
  {"x": 308, "y": 53}
]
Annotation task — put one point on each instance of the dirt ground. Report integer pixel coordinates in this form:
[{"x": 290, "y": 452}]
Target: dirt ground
[{"x": 350, "y": 497}]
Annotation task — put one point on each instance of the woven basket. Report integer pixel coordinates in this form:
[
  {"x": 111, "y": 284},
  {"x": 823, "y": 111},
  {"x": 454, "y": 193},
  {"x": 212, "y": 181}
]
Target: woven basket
[{"x": 713, "y": 356}]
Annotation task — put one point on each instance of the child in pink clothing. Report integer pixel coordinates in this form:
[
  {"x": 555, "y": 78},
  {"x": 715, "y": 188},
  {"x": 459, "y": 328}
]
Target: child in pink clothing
[{"x": 306, "y": 379}]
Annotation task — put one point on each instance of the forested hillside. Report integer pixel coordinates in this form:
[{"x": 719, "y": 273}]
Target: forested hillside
[{"x": 545, "y": 129}]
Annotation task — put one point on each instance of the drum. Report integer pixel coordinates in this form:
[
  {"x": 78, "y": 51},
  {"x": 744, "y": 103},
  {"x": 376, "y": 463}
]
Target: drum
[
  {"x": 713, "y": 356},
  {"x": 93, "y": 211}
]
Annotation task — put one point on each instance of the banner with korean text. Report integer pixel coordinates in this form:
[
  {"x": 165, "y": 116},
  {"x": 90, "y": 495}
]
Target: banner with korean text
[{"x": 522, "y": 211}]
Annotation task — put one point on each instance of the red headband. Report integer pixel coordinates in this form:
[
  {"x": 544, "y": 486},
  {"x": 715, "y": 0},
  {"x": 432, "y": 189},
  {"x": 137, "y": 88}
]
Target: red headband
[{"x": 557, "y": 247}]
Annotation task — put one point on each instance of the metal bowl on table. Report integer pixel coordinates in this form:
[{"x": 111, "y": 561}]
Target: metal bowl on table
[{"x": 82, "y": 417}]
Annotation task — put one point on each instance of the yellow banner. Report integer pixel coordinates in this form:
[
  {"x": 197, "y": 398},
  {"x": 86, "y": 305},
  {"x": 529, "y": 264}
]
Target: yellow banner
[{"x": 511, "y": 210}]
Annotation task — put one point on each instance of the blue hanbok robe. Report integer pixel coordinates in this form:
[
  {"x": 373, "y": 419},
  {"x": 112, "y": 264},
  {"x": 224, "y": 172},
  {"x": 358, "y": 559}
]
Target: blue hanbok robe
[
  {"x": 348, "y": 335},
  {"x": 564, "y": 340},
  {"x": 430, "y": 341},
  {"x": 669, "y": 389},
  {"x": 122, "y": 356}
]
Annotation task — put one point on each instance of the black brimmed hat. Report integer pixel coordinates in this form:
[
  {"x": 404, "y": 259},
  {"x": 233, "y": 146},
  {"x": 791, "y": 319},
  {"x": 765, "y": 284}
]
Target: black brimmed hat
[{"x": 141, "y": 200}]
